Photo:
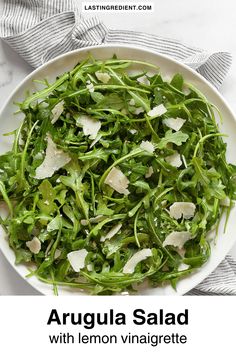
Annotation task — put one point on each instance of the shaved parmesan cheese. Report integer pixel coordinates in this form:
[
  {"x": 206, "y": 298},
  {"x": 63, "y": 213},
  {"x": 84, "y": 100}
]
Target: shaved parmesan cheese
[
  {"x": 177, "y": 239},
  {"x": 143, "y": 80},
  {"x": 48, "y": 248},
  {"x": 77, "y": 259},
  {"x": 163, "y": 203},
  {"x": 57, "y": 111},
  {"x": 185, "y": 209},
  {"x": 132, "y": 102},
  {"x": 174, "y": 159},
  {"x": 97, "y": 219},
  {"x": 53, "y": 161},
  {"x": 90, "y": 86},
  {"x": 118, "y": 181},
  {"x": 181, "y": 252},
  {"x": 4, "y": 210},
  {"x": 147, "y": 146},
  {"x": 149, "y": 172},
  {"x": 103, "y": 77},
  {"x": 157, "y": 111},
  {"x": 174, "y": 123},
  {"x": 34, "y": 245},
  {"x": 95, "y": 141},
  {"x": 90, "y": 267},
  {"x": 225, "y": 202},
  {"x": 183, "y": 266},
  {"x": 135, "y": 259},
  {"x": 54, "y": 224},
  {"x": 57, "y": 253},
  {"x": 112, "y": 232},
  {"x": 186, "y": 90},
  {"x": 84, "y": 222},
  {"x": 138, "y": 110},
  {"x": 90, "y": 126},
  {"x": 133, "y": 131},
  {"x": 184, "y": 161},
  {"x": 94, "y": 220}
]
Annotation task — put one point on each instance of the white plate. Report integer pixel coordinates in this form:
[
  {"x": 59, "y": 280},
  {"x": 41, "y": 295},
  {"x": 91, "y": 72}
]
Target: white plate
[{"x": 168, "y": 67}]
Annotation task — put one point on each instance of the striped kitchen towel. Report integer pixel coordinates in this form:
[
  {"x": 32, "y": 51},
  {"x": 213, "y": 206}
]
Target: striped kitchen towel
[{"x": 40, "y": 30}]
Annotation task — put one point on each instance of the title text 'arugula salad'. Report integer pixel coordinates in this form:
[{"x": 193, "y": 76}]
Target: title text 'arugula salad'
[{"x": 116, "y": 176}]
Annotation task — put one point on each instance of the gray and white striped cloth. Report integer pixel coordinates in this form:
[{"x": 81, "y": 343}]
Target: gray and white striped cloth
[{"x": 39, "y": 30}]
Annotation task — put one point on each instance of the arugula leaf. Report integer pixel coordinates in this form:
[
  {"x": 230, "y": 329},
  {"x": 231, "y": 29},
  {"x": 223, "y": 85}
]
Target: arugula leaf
[
  {"x": 46, "y": 202},
  {"x": 176, "y": 138},
  {"x": 177, "y": 81}
]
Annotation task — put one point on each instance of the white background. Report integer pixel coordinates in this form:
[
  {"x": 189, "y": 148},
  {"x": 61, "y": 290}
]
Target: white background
[
  {"x": 206, "y": 24},
  {"x": 211, "y": 329}
]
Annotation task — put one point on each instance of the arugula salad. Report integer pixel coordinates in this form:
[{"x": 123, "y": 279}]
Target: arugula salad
[{"x": 116, "y": 176}]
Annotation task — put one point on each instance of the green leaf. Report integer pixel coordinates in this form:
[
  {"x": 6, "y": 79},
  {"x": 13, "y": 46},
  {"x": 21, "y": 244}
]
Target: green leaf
[
  {"x": 102, "y": 208},
  {"x": 141, "y": 185},
  {"x": 46, "y": 202},
  {"x": 215, "y": 189},
  {"x": 201, "y": 173},
  {"x": 113, "y": 101},
  {"x": 97, "y": 97},
  {"x": 22, "y": 255},
  {"x": 177, "y": 81},
  {"x": 95, "y": 154},
  {"x": 176, "y": 138}
]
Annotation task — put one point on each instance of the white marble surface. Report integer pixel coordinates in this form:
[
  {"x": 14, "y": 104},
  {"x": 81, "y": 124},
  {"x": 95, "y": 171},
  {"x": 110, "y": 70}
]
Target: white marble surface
[{"x": 203, "y": 23}]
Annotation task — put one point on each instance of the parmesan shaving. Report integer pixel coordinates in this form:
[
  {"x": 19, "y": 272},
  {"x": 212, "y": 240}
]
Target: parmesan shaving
[
  {"x": 84, "y": 222},
  {"x": 132, "y": 102},
  {"x": 97, "y": 219},
  {"x": 174, "y": 159},
  {"x": 225, "y": 202},
  {"x": 34, "y": 245},
  {"x": 57, "y": 111},
  {"x": 77, "y": 259},
  {"x": 111, "y": 233},
  {"x": 135, "y": 259},
  {"x": 57, "y": 254},
  {"x": 90, "y": 267},
  {"x": 90, "y": 86},
  {"x": 143, "y": 80},
  {"x": 94, "y": 220},
  {"x": 118, "y": 181},
  {"x": 157, "y": 111},
  {"x": 138, "y": 110},
  {"x": 53, "y": 161},
  {"x": 90, "y": 126},
  {"x": 149, "y": 172},
  {"x": 95, "y": 141},
  {"x": 182, "y": 209},
  {"x": 147, "y": 146},
  {"x": 183, "y": 266},
  {"x": 177, "y": 239},
  {"x": 174, "y": 123},
  {"x": 103, "y": 77}
]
